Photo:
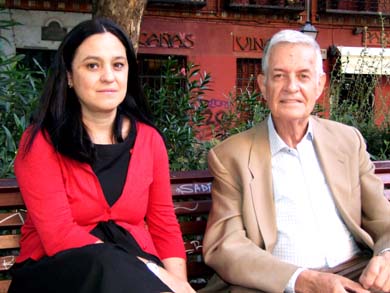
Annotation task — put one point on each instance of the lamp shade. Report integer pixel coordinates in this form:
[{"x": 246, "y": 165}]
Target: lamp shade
[{"x": 309, "y": 29}]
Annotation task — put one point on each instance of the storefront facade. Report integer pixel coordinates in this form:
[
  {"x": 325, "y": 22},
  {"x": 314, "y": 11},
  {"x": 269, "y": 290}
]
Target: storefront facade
[{"x": 226, "y": 38}]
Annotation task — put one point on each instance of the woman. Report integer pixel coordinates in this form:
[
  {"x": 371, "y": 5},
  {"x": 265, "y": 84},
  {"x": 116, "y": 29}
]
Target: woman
[{"x": 93, "y": 172}]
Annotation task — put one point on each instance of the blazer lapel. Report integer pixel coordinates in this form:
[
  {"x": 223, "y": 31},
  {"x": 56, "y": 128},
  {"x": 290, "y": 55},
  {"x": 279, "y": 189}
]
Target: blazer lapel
[
  {"x": 331, "y": 159},
  {"x": 335, "y": 168},
  {"x": 261, "y": 185}
]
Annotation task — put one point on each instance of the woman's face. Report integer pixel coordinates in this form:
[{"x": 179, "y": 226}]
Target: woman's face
[{"x": 99, "y": 74}]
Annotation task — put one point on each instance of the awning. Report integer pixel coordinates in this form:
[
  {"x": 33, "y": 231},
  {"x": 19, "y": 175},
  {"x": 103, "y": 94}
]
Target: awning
[{"x": 360, "y": 60}]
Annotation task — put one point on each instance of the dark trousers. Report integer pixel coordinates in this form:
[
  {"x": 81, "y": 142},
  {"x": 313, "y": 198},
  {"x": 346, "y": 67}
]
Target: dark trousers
[{"x": 97, "y": 268}]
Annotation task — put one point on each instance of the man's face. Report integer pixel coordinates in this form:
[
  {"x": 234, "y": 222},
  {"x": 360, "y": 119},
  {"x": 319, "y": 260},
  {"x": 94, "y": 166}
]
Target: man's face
[{"x": 292, "y": 84}]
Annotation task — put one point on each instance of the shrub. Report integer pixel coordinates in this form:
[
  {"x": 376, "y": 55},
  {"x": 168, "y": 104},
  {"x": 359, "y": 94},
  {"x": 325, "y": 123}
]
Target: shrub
[
  {"x": 246, "y": 108},
  {"x": 177, "y": 106},
  {"x": 360, "y": 101},
  {"x": 19, "y": 91},
  {"x": 180, "y": 110}
]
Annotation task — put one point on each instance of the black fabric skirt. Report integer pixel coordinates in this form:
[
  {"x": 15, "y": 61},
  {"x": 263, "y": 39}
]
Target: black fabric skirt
[{"x": 110, "y": 267}]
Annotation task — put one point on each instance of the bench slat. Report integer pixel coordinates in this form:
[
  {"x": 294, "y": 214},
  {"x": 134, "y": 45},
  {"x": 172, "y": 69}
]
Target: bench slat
[
  {"x": 11, "y": 199},
  {"x": 351, "y": 268},
  {"x": 382, "y": 166},
  {"x": 385, "y": 178},
  {"x": 6, "y": 262},
  {"x": 195, "y": 207},
  {"x": 193, "y": 246},
  {"x": 191, "y": 176},
  {"x": 199, "y": 269},
  {"x": 8, "y": 184},
  {"x": 4, "y": 285},
  {"x": 9, "y": 241},
  {"x": 12, "y": 219},
  {"x": 193, "y": 227},
  {"x": 191, "y": 189},
  {"x": 191, "y": 192},
  {"x": 387, "y": 194}
]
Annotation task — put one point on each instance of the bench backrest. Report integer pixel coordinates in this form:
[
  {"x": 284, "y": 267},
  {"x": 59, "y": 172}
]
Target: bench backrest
[
  {"x": 11, "y": 218},
  {"x": 192, "y": 199},
  {"x": 382, "y": 169}
]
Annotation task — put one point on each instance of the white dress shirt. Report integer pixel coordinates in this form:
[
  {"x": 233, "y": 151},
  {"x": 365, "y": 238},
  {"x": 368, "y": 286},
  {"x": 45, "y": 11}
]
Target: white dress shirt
[{"x": 311, "y": 233}]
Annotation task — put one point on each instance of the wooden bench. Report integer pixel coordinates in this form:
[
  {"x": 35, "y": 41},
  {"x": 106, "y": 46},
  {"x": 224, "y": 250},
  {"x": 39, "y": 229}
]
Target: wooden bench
[
  {"x": 192, "y": 200},
  {"x": 191, "y": 195}
]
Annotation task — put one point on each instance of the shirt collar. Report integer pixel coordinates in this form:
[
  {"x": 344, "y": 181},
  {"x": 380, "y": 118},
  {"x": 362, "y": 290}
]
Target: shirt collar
[{"x": 277, "y": 144}]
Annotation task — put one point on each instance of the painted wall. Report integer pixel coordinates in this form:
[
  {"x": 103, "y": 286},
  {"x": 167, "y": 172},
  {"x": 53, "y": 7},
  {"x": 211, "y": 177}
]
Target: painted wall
[
  {"x": 215, "y": 45},
  {"x": 29, "y": 33},
  {"x": 214, "y": 40}
]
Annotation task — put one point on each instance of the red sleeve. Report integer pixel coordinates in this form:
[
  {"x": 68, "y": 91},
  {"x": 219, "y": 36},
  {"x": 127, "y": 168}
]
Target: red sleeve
[
  {"x": 41, "y": 182},
  {"x": 161, "y": 218}
]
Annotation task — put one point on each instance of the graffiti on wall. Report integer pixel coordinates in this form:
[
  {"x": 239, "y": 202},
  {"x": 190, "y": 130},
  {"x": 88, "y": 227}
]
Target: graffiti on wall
[
  {"x": 194, "y": 188},
  {"x": 375, "y": 38},
  {"x": 215, "y": 111},
  {"x": 248, "y": 44},
  {"x": 166, "y": 40}
]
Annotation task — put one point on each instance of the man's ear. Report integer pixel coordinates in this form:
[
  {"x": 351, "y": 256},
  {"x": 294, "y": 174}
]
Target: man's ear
[
  {"x": 261, "y": 83},
  {"x": 321, "y": 84}
]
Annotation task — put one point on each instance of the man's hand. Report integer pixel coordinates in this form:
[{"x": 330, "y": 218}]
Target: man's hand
[
  {"x": 376, "y": 276},
  {"x": 313, "y": 281}
]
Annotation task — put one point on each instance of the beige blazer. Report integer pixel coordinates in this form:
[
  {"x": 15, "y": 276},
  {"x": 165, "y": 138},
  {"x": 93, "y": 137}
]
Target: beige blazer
[{"x": 241, "y": 230}]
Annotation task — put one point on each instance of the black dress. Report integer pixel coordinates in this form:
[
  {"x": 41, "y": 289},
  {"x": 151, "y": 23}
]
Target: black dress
[{"x": 110, "y": 267}]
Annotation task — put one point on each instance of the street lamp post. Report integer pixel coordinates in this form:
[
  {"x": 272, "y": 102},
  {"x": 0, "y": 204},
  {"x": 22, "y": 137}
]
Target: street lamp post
[{"x": 308, "y": 28}]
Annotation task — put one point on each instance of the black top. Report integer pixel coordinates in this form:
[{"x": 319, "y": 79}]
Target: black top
[{"x": 111, "y": 165}]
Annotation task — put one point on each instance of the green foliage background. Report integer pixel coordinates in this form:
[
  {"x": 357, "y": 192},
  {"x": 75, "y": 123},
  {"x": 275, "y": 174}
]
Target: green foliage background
[
  {"x": 360, "y": 99},
  {"x": 19, "y": 92},
  {"x": 178, "y": 110},
  {"x": 180, "y": 107}
]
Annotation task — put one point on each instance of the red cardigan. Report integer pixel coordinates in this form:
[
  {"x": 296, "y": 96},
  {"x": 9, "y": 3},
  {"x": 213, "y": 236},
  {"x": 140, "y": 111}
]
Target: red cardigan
[{"x": 65, "y": 201}]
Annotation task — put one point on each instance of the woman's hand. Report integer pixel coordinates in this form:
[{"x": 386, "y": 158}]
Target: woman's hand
[
  {"x": 174, "y": 280},
  {"x": 175, "y": 283}
]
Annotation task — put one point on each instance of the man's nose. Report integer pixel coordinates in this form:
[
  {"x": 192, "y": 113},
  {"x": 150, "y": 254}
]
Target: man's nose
[{"x": 292, "y": 84}]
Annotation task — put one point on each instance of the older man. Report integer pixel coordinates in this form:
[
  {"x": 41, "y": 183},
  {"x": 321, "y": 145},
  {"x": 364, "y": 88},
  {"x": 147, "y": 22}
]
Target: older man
[{"x": 295, "y": 193}]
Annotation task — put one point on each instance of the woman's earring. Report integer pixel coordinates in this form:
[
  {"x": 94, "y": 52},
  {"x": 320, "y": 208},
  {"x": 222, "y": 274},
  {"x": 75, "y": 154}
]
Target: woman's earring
[{"x": 70, "y": 84}]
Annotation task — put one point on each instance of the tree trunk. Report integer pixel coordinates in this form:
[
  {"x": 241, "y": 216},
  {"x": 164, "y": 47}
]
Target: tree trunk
[{"x": 127, "y": 13}]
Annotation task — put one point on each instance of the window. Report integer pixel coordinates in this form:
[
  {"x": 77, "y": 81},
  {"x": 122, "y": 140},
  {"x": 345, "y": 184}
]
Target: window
[
  {"x": 43, "y": 57},
  {"x": 247, "y": 72},
  {"x": 355, "y": 6},
  {"x": 185, "y": 3},
  {"x": 151, "y": 68},
  {"x": 67, "y": 5}
]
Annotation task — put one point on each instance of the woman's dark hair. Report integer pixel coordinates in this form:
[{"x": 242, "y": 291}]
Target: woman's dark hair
[{"x": 59, "y": 111}]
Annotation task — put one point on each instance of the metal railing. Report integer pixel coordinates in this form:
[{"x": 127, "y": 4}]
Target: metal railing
[
  {"x": 197, "y": 3},
  {"x": 57, "y": 5},
  {"x": 282, "y": 5},
  {"x": 367, "y": 7}
]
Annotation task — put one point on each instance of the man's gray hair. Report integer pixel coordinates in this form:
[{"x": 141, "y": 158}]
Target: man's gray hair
[{"x": 293, "y": 37}]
